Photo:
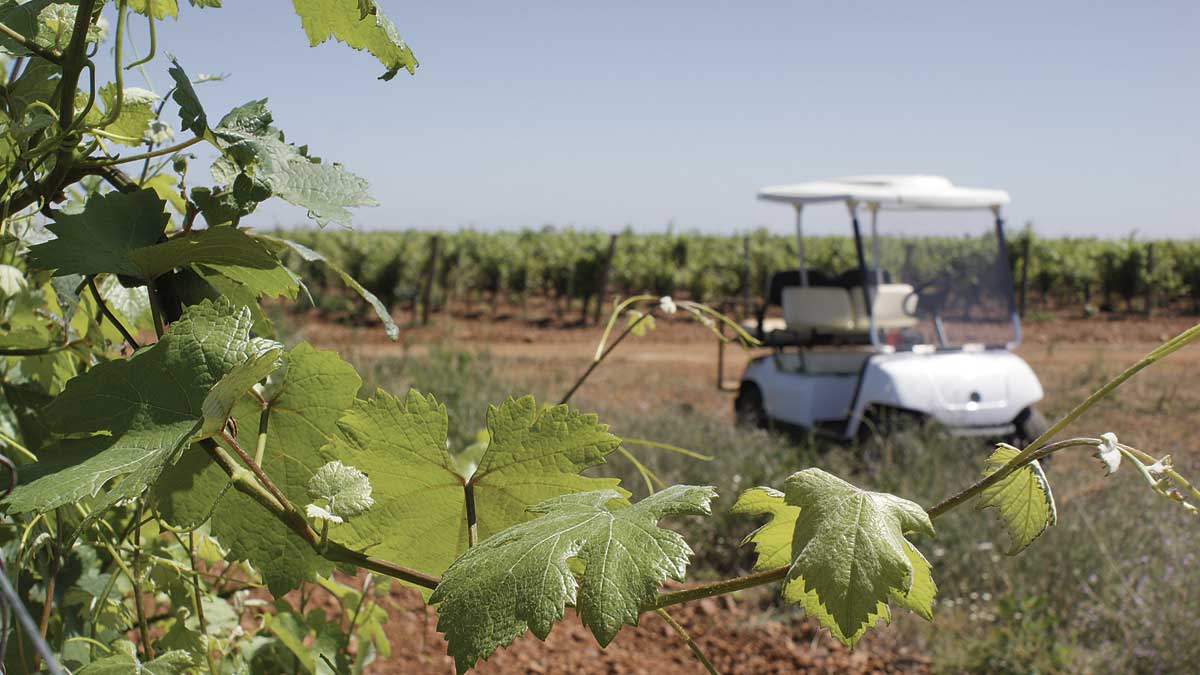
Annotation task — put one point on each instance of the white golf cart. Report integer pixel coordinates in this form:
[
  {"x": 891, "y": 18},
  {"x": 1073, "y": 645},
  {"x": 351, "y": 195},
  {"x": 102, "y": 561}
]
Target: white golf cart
[{"x": 915, "y": 326}]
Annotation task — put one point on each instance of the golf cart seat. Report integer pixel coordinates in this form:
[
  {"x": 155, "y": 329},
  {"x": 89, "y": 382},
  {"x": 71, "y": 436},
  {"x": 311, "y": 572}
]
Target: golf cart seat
[
  {"x": 841, "y": 311},
  {"x": 828, "y": 310}
]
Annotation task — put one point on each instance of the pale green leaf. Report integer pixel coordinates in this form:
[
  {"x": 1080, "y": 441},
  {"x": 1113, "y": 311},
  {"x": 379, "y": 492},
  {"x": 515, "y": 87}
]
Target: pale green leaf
[
  {"x": 232, "y": 252},
  {"x": 44, "y": 22},
  {"x": 143, "y": 411},
  {"x": 849, "y": 550},
  {"x": 420, "y": 517},
  {"x": 158, "y": 9},
  {"x": 167, "y": 188},
  {"x": 137, "y": 111},
  {"x": 130, "y": 305},
  {"x": 1022, "y": 499},
  {"x": 126, "y": 663},
  {"x": 345, "y": 489},
  {"x": 12, "y": 280},
  {"x": 272, "y": 166},
  {"x": 101, "y": 238},
  {"x": 362, "y": 27},
  {"x": 263, "y": 359},
  {"x": 773, "y": 544},
  {"x": 305, "y": 401},
  {"x": 309, "y": 255},
  {"x": 520, "y": 578}
]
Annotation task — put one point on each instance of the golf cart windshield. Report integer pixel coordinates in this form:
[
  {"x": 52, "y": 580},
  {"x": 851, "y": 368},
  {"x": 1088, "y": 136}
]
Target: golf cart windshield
[{"x": 939, "y": 279}]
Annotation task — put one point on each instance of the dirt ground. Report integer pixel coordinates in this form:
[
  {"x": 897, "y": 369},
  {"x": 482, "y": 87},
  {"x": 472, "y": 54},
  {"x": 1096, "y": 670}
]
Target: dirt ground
[{"x": 677, "y": 363}]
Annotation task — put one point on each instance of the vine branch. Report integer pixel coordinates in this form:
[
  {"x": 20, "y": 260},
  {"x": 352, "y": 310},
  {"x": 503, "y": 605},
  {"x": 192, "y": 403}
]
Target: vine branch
[
  {"x": 600, "y": 359},
  {"x": 48, "y": 53},
  {"x": 133, "y": 344}
]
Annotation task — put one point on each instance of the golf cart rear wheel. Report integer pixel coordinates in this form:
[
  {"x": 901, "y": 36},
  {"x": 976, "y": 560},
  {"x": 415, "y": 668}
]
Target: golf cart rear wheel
[
  {"x": 1029, "y": 425},
  {"x": 748, "y": 409}
]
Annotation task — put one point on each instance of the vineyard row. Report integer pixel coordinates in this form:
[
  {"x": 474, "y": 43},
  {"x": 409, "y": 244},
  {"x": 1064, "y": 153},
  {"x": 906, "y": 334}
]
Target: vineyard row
[{"x": 422, "y": 270}]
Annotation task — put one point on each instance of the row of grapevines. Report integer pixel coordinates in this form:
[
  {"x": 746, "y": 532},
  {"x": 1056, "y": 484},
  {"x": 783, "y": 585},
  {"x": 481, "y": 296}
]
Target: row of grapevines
[{"x": 568, "y": 264}]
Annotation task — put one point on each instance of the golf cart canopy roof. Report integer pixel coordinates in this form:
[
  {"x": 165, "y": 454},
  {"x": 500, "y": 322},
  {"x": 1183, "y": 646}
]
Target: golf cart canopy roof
[{"x": 900, "y": 192}]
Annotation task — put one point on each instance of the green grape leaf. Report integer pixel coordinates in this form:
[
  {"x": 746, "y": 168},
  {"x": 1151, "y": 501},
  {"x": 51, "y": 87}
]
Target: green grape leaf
[
  {"x": 167, "y": 188},
  {"x": 273, "y": 166},
  {"x": 45, "y": 23},
  {"x": 849, "y": 550},
  {"x": 1023, "y": 499},
  {"x": 263, "y": 359},
  {"x": 191, "y": 113},
  {"x": 521, "y": 579},
  {"x": 144, "y": 411},
  {"x": 420, "y": 518},
  {"x": 221, "y": 207},
  {"x": 773, "y": 544},
  {"x": 305, "y": 399},
  {"x": 137, "y": 111},
  {"x": 363, "y": 28},
  {"x": 309, "y": 255},
  {"x": 130, "y": 305},
  {"x": 345, "y": 489},
  {"x": 171, "y": 663},
  {"x": 101, "y": 238},
  {"x": 202, "y": 282},
  {"x": 158, "y": 9},
  {"x": 229, "y": 251}
]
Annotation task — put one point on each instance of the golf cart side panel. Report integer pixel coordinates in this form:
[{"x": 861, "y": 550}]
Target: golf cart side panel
[
  {"x": 963, "y": 389},
  {"x": 800, "y": 395}
]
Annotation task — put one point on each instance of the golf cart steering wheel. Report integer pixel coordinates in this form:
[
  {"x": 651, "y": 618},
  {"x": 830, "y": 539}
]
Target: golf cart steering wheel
[{"x": 926, "y": 298}]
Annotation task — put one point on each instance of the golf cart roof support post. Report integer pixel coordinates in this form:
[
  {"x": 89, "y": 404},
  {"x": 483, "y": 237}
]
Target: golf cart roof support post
[
  {"x": 1006, "y": 270},
  {"x": 852, "y": 206},
  {"x": 877, "y": 264},
  {"x": 800, "y": 243}
]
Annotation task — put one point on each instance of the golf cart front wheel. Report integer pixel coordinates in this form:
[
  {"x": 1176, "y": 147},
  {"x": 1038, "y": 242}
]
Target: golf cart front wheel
[{"x": 748, "y": 411}]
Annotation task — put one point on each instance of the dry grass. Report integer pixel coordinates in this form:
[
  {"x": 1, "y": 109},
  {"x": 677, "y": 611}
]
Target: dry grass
[{"x": 1111, "y": 589}]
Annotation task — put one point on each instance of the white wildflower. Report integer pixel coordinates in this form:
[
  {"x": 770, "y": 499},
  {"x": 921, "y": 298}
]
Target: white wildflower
[
  {"x": 318, "y": 513},
  {"x": 667, "y": 305},
  {"x": 1108, "y": 452}
]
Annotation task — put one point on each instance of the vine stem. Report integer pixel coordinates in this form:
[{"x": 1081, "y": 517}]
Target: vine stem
[
  {"x": 136, "y": 580},
  {"x": 472, "y": 519},
  {"x": 600, "y": 359},
  {"x": 1024, "y": 457},
  {"x": 256, "y": 470},
  {"x": 191, "y": 545},
  {"x": 30, "y": 629},
  {"x": 246, "y": 482},
  {"x": 720, "y": 587},
  {"x": 133, "y": 344},
  {"x": 39, "y": 351},
  {"x": 100, "y": 164},
  {"x": 155, "y": 309},
  {"x": 683, "y": 635},
  {"x": 51, "y": 55}
]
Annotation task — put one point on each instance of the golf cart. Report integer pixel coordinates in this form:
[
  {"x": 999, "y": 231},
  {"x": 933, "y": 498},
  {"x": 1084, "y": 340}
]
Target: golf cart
[{"x": 913, "y": 326}]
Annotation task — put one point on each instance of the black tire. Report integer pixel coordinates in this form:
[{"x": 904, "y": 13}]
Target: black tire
[
  {"x": 1029, "y": 425},
  {"x": 892, "y": 436},
  {"x": 748, "y": 410}
]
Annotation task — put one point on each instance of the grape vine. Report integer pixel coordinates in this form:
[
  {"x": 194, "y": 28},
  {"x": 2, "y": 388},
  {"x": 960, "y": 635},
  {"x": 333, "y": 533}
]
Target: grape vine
[{"x": 165, "y": 451}]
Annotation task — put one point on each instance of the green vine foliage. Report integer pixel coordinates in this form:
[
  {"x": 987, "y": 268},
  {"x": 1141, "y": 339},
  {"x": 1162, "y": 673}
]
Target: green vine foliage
[{"x": 167, "y": 447}]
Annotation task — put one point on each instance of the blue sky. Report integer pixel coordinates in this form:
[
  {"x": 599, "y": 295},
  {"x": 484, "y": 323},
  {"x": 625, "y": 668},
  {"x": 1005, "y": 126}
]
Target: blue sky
[{"x": 602, "y": 115}]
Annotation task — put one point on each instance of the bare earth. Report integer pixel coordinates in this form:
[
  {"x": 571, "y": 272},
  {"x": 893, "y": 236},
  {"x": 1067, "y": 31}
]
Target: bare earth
[{"x": 677, "y": 363}]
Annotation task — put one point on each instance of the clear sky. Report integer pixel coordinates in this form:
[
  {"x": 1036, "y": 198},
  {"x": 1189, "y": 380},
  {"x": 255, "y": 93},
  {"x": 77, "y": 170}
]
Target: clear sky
[{"x": 602, "y": 115}]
